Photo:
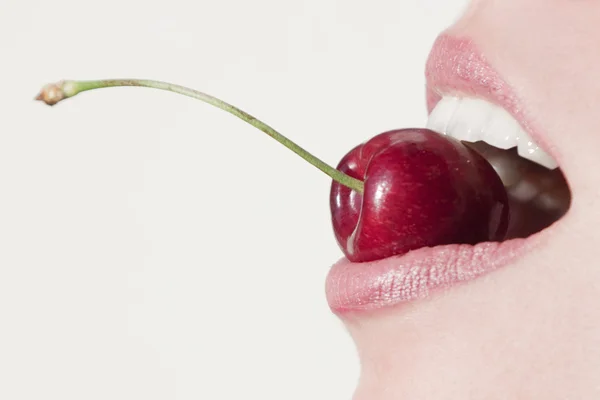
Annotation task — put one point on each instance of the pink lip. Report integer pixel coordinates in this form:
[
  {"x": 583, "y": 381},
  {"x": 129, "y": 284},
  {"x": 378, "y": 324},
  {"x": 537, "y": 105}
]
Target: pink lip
[{"x": 454, "y": 66}]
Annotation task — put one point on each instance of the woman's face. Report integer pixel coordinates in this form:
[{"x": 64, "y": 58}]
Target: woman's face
[{"x": 528, "y": 326}]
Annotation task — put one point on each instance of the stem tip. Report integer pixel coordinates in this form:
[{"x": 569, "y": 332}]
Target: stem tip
[{"x": 52, "y": 93}]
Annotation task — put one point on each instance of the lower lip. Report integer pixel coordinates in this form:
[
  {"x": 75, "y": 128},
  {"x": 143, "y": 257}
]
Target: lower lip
[{"x": 360, "y": 287}]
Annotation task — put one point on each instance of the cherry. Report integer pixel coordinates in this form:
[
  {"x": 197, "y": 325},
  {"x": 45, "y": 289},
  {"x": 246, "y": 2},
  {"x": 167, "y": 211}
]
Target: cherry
[
  {"x": 420, "y": 189},
  {"x": 399, "y": 191}
]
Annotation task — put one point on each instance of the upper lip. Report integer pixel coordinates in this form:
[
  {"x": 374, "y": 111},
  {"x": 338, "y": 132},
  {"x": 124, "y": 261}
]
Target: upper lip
[{"x": 454, "y": 67}]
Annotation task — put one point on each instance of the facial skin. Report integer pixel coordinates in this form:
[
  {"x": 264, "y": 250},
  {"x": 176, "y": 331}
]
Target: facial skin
[{"x": 530, "y": 330}]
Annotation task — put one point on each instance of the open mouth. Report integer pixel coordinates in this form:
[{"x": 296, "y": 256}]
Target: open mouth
[
  {"x": 469, "y": 101},
  {"x": 537, "y": 189}
]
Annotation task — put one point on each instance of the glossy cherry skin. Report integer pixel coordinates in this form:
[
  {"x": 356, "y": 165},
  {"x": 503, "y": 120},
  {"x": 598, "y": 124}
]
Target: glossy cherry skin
[{"x": 420, "y": 189}]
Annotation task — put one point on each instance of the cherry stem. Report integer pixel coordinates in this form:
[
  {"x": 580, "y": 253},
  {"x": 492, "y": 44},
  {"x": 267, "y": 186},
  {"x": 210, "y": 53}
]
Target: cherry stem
[{"x": 54, "y": 93}]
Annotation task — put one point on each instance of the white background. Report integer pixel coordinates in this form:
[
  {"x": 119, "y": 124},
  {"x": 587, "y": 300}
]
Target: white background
[{"x": 154, "y": 247}]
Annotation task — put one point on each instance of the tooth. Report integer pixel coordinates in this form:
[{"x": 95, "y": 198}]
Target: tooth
[
  {"x": 475, "y": 120},
  {"x": 441, "y": 114},
  {"x": 530, "y": 150},
  {"x": 501, "y": 130},
  {"x": 469, "y": 120}
]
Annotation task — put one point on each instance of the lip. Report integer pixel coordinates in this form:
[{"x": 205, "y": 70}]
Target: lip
[{"x": 454, "y": 67}]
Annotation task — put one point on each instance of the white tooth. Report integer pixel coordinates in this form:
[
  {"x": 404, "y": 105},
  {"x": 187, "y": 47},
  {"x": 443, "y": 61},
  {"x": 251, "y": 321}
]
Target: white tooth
[
  {"x": 474, "y": 120},
  {"x": 469, "y": 120},
  {"x": 530, "y": 150},
  {"x": 441, "y": 114},
  {"x": 501, "y": 130}
]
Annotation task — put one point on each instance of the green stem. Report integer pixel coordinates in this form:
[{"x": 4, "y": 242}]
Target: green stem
[{"x": 54, "y": 93}]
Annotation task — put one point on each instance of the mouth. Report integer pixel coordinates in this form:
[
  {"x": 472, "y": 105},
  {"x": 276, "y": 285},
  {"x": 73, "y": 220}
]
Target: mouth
[{"x": 468, "y": 100}]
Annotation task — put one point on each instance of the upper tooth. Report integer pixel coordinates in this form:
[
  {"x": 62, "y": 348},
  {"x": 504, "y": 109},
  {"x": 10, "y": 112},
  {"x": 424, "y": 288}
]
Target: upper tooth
[
  {"x": 473, "y": 120},
  {"x": 502, "y": 130},
  {"x": 530, "y": 150},
  {"x": 469, "y": 120},
  {"x": 442, "y": 113}
]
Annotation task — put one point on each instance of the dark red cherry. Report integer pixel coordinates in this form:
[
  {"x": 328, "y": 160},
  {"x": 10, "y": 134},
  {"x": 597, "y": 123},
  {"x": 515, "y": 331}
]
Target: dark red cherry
[{"x": 420, "y": 189}]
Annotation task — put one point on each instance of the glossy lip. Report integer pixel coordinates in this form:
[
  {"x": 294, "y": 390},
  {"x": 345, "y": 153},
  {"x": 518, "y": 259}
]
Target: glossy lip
[{"x": 454, "y": 67}]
